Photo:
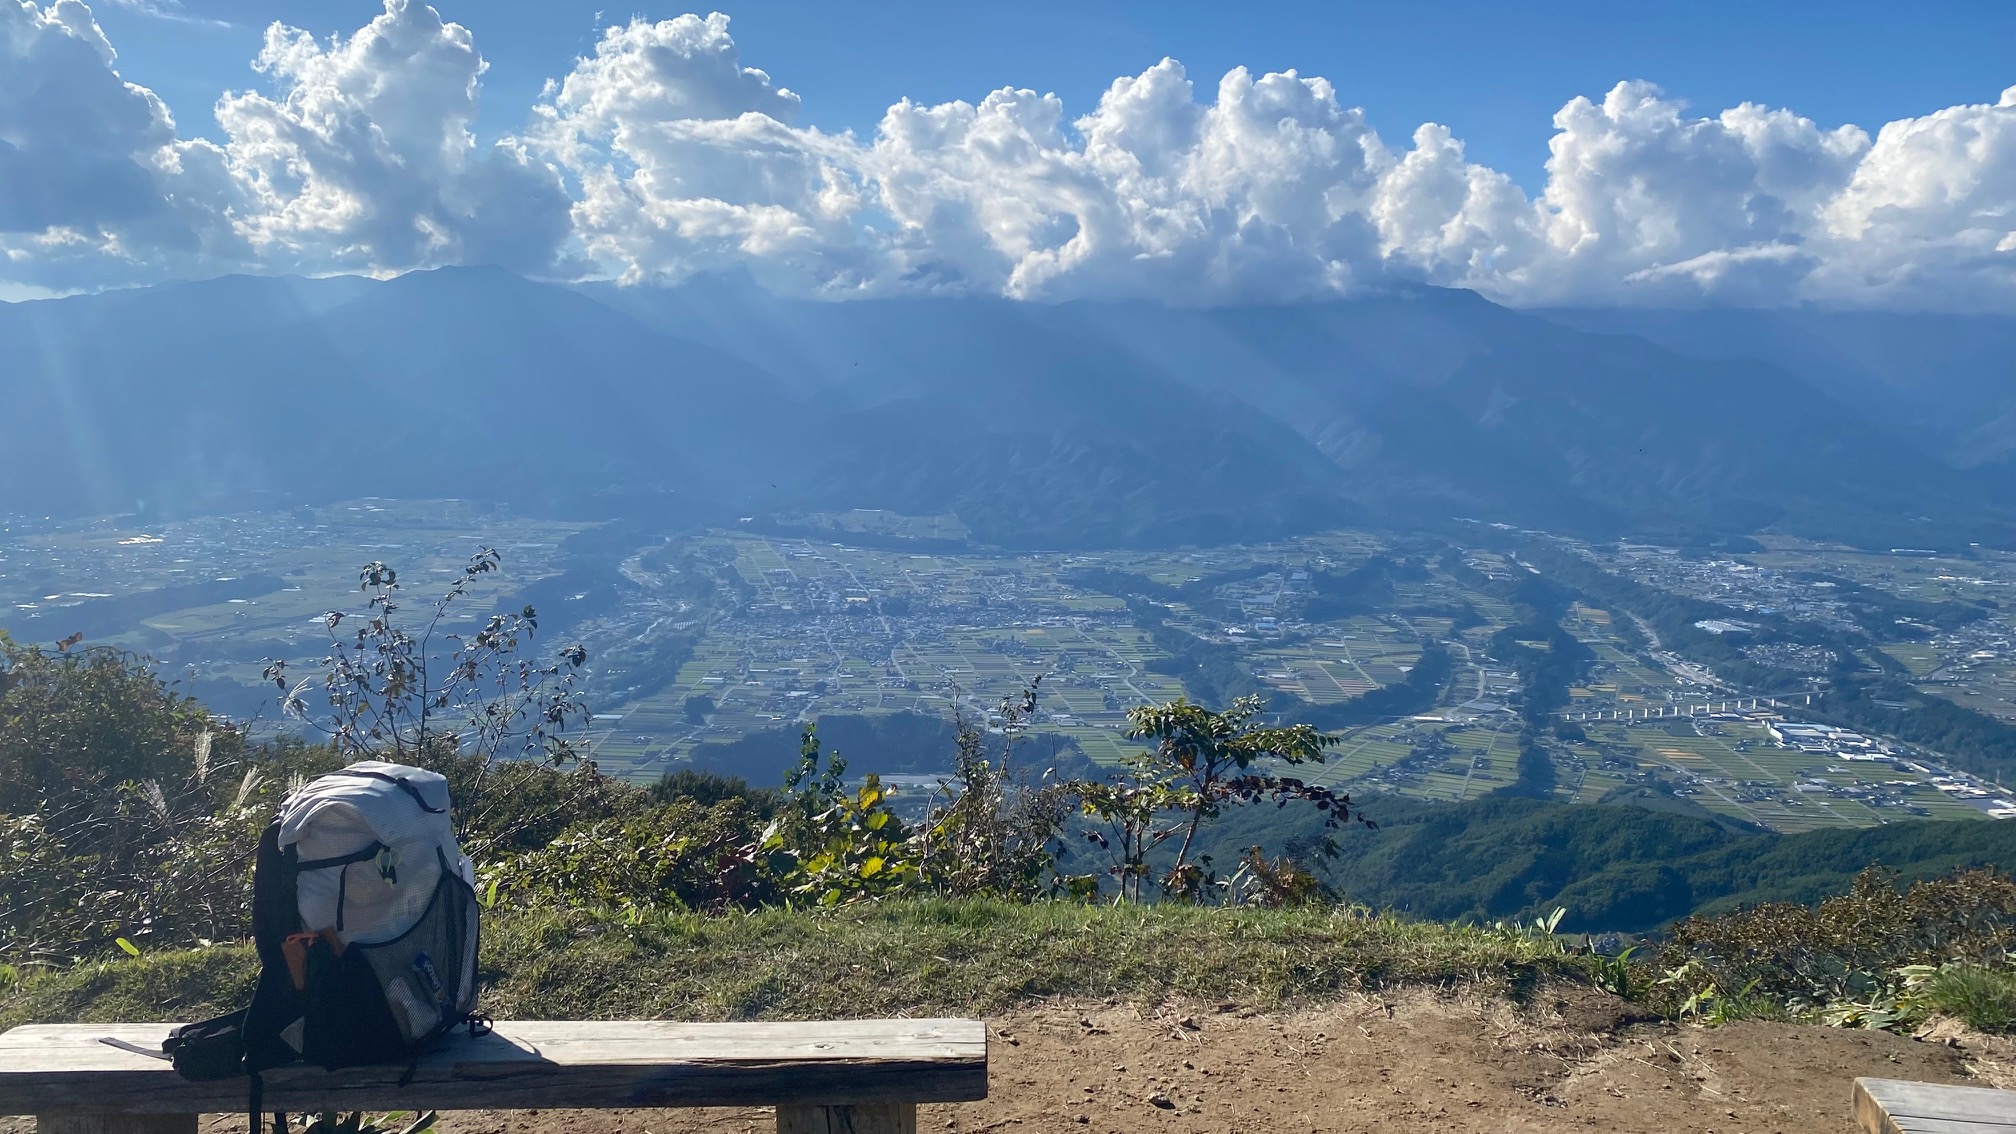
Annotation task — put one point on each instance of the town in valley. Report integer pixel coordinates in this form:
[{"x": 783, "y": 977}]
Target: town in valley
[{"x": 708, "y": 635}]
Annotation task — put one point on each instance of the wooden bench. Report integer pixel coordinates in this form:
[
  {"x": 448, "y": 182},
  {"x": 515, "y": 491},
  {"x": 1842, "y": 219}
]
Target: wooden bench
[
  {"x": 1893, "y": 1106},
  {"x": 864, "y": 1076}
]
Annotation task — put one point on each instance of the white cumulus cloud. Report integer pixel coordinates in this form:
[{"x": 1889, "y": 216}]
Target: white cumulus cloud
[
  {"x": 662, "y": 154},
  {"x": 1930, "y": 211},
  {"x": 1260, "y": 194},
  {"x": 358, "y": 157},
  {"x": 1640, "y": 192},
  {"x": 363, "y": 159},
  {"x": 91, "y": 171},
  {"x": 684, "y": 160}
]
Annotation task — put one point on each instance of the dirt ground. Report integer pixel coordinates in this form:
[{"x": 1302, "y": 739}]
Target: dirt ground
[{"x": 1573, "y": 1061}]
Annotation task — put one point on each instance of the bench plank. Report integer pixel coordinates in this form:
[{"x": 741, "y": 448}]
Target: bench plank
[
  {"x": 529, "y": 1065},
  {"x": 117, "y": 1124},
  {"x": 1895, "y": 1106}
]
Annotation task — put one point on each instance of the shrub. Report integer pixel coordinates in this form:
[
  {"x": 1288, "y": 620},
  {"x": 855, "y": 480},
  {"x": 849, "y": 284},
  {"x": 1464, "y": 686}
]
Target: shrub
[
  {"x": 988, "y": 832},
  {"x": 1847, "y": 949},
  {"x": 144, "y": 865},
  {"x": 76, "y": 724},
  {"x": 1200, "y": 761},
  {"x": 682, "y": 853},
  {"x": 405, "y": 689},
  {"x": 709, "y": 788},
  {"x": 832, "y": 845},
  {"x": 503, "y": 807}
]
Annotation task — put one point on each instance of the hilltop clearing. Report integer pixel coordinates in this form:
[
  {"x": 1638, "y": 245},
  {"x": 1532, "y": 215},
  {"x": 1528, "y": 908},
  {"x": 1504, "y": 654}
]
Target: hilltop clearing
[
  {"x": 1416, "y": 1062},
  {"x": 1568, "y": 1058},
  {"x": 1200, "y": 996}
]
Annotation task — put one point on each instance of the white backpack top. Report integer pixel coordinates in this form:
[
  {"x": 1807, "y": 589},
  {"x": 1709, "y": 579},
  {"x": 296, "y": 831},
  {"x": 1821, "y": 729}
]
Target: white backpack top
[{"x": 402, "y": 812}]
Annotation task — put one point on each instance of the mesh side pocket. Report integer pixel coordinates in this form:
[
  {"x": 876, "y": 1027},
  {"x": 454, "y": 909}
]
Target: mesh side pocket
[{"x": 428, "y": 972}]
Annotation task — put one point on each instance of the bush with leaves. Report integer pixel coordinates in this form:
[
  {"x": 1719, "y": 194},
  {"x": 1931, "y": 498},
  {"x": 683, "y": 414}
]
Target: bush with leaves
[
  {"x": 1277, "y": 883},
  {"x": 829, "y": 844},
  {"x": 1981, "y": 996},
  {"x": 1199, "y": 762},
  {"x": 76, "y": 724},
  {"x": 503, "y": 807},
  {"x": 708, "y": 788},
  {"x": 130, "y": 813},
  {"x": 52, "y": 908},
  {"x": 459, "y": 694},
  {"x": 150, "y": 864}
]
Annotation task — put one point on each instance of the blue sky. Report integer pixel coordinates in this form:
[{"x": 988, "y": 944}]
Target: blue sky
[{"x": 1494, "y": 72}]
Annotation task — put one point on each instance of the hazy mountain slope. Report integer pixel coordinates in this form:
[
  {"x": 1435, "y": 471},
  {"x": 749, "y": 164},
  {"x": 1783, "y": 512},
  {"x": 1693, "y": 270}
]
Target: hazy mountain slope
[
  {"x": 1655, "y": 441},
  {"x": 1073, "y": 424},
  {"x": 538, "y": 382},
  {"x": 1436, "y": 396},
  {"x": 474, "y": 383},
  {"x": 112, "y": 400},
  {"x": 908, "y": 344},
  {"x": 1949, "y": 379},
  {"x": 1432, "y": 403},
  {"x": 1167, "y": 467},
  {"x": 1035, "y": 435}
]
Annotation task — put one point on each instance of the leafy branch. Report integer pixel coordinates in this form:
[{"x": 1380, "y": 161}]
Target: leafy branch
[{"x": 413, "y": 695}]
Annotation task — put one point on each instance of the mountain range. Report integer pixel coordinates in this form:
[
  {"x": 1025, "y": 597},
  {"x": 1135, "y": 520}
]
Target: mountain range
[
  {"x": 1949, "y": 381},
  {"x": 1078, "y": 424}
]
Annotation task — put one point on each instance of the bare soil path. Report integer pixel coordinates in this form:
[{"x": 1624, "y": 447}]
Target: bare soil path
[{"x": 1570, "y": 1060}]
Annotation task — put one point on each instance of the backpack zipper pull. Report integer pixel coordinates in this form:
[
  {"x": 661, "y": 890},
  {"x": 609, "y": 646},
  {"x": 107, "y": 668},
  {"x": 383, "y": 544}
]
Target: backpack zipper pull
[{"x": 388, "y": 866}]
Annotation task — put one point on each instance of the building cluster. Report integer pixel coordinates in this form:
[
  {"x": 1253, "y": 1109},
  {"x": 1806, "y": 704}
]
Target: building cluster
[
  {"x": 820, "y": 636},
  {"x": 1733, "y": 583},
  {"x": 1826, "y": 740}
]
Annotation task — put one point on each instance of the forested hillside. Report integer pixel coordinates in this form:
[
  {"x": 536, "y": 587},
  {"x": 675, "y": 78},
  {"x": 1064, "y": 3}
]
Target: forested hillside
[{"x": 1614, "y": 867}]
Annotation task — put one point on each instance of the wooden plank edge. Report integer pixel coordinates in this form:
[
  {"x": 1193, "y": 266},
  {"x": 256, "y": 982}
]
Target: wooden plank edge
[
  {"x": 529, "y": 1086},
  {"x": 73, "y": 1123},
  {"x": 949, "y": 1029},
  {"x": 1911, "y": 1125},
  {"x": 1869, "y": 1114},
  {"x": 1902, "y": 1106}
]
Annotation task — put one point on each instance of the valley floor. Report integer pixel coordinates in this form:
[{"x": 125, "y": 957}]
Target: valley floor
[{"x": 1569, "y": 1059}]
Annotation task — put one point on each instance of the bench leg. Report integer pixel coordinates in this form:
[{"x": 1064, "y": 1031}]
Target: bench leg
[
  {"x": 115, "y": 1124},
  {"x": 881, "y": 1118}
]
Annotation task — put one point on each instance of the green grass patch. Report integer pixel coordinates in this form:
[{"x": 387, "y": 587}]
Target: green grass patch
[
  {"x": 1982, "y": 997},
  {"x": 921, "y": 956}
]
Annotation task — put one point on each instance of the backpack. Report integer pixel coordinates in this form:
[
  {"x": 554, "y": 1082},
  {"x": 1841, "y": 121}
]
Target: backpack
[{"x": 364, "y": 916}]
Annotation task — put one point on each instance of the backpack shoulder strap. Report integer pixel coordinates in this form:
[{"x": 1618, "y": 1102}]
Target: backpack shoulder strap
[
  {"x": 275, "y": 1002},
  {"x": 275, "y": 912}
]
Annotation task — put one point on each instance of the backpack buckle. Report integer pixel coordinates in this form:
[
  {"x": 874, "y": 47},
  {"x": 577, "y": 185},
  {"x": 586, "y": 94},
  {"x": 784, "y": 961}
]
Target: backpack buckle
[{"x": 388, "y": 866}]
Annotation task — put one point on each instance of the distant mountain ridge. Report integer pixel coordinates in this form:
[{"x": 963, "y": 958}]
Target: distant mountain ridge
[
  {"x": 1081, "y": 424},
  {"x": 1950, "y": 380}
]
